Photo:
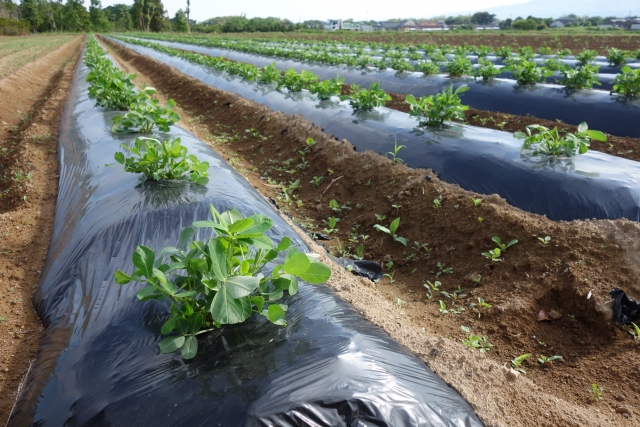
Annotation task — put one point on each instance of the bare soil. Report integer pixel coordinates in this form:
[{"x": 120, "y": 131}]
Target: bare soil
[
  {"x": 495, "y": 39},
  {"x": 570, "y": 277},
  {"x": 33, "y": 98}
]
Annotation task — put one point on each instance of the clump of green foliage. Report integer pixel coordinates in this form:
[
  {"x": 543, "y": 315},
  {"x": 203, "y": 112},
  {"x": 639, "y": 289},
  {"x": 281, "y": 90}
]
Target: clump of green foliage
[
  {"x": 143, "y": 117},
  {"x": 434, "y": 110},
  {"x": 527, "y": 72},
  {"x": 586, "y": 57},
  {"x": 580, "y": 77},
  {"x": 366, "y": 99},
  {"x": 549, "y": 142},
  {"x": 459, "y": 66},
  {"x": 220, "y": 281},
  {"x": 163, "y": 160},
  {"x": 296, "y": 82},
  {"x": 627, "y": 82},
  {"x": 327, "y": 88},
  {"x": 486, "y": 70},
  {"x": 617, "y": 57}
]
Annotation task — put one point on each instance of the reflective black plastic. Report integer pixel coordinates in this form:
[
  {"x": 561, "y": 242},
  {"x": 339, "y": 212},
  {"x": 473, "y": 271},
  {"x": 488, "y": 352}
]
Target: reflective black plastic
[
  {"x": 613, "y": 114},
  {"x": 99, "y": 364},
  {"x": 594, "y": 185}
]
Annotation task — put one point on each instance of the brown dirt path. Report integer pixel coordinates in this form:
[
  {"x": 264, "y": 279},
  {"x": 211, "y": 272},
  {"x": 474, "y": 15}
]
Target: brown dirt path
[
  {"x": 571, "y": 275},
  {"x": 29, "y": 187}
]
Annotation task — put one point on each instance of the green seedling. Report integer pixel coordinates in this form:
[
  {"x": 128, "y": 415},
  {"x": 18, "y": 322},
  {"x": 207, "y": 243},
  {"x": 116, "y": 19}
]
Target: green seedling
[
  {"x": 443, "y": 269},
  {"x": 327, "y": 88},
  {"x": 390, "y": 276},
  {"x": 392, "y": 231},
  {"x": 501, "y": 245},
  {"x": 220, "y": 281},
  {"x": 545, "y": 241},
  {"x": 476, "y": 202},
  {"x": 163, "y": 160},
  {"x": 493, "y": 255},
  {"x": 366, "y": 99},
  {"x": 437, "y": 203},
  {"x": 482, "y": 344},
  {"x": 400, "y": 302},
  {"x": 443, "y": 308},
  {"x": 517, "y": 362},
  {"x": 627, "y": 83},
  {"x": 480, "y": 219},
  {"x": 316, "y": 181},
  {"x": 310, "y": 142},
  {"x": 394, "y": 153},
  {"x": 548, "y": 142},
  {"x": 481, "y": 304},
  {"x": 596, "y": 392},
  {"x": 380, "y": 217},
  {"x": 544, "y": 359},
  {"x": 434, "y": 110},
  {"x": 432, "y": 288},
  {"x": 331, "y": 223}
]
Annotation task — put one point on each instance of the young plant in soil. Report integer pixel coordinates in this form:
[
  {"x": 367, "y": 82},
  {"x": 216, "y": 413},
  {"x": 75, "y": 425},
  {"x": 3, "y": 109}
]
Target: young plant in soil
[
  {"x": 394, "y": 154},
  {"x": 517, "y": 362},
  {"x": 627, "y": 82},
  {"x": 503, "y": 52},
  {"x": 438, "y": 108},
  {"x": 428, "y": 67},
  {"x": 527, "y": 72},
  {"x": 459, "y": 66},
  {"x": 222, "y": 280},
  {"x": 392, "y": 231},
  {"x": 544, "y": 359},
  {"x": 548, "y": 142},
  {"x": 327, "y": 88},
  {"x": 296, "y": 82},
  {"x": 143, "y": 117},
  {"x": 617, "y": 57},
  {"x": 366, "y": 99},
  {"x": 482, "y": 344},
  {"x": 586, "y": 57},
  {"x": 269, "y": 74},
  {"x": 486, "y": 70},
  {"x": 580, "y": 77},
  {"x": 552, "y": 64},
  {"x": 163, "y": 160},
  {"x": 596, "y": 392}
]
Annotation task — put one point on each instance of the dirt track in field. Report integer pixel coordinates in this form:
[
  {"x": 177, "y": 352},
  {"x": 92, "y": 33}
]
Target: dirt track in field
[
  {"x": 33, "y": 98},
  {"x": 583, "y": 258}
]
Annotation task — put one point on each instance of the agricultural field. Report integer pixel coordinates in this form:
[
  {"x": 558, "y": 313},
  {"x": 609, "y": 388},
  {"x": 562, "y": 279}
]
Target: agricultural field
[
  {"x": 492, "y": 180},
  {"x": 35, "y": 76}
]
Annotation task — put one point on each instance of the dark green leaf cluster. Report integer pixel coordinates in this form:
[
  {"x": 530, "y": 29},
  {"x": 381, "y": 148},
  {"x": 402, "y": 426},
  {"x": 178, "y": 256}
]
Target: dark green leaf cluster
[
  {"x": 434, "y": 110},
  {"x": 366, "y": 99},
  {"x": 163, "y": 160},
  {"x": 549, "y": 142},
  {"x": 585, "y": 57},
  {"x": 108, "y": 85},
  {"x": 222, "y": 280},
  {"x": 527, "y": 72},
  {"x": 627, "y": 82},
  {"x": 428, "y": 67},
  {"x": 295, "y": 82},
  {"x": 459, "y": 66},
  {"x": 486, "y": 70},
  {"x": 143, "y": 117},
  {"x": 617, "y": 57},
  {"x": 328, "y": 88},
  {"x": 583, "y": 77}
]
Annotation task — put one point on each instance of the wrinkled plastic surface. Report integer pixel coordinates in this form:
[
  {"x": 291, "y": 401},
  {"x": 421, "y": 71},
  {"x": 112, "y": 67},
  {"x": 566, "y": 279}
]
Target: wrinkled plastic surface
[
  {"x": 99, "y": 362},
  {"x": 625, "y": 310},
  {"x": 594, "y": 185},
  {"x": 612, "y": 114}
]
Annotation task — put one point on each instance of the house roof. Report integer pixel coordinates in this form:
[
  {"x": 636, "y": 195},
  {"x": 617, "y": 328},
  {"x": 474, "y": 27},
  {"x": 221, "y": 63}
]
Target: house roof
[{"x": 387, "y": 24}]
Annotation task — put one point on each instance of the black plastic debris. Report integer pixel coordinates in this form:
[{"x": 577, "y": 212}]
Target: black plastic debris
[{"x": 625, "y": 310}]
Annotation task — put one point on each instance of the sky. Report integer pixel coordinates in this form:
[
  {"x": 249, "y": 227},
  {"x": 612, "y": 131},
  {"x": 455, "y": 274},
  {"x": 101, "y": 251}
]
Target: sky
[{"x": 302, "y": 10}]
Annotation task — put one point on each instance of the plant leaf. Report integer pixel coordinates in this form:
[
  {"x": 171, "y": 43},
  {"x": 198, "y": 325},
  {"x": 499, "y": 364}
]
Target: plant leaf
[
  {"x": 190, "y": 347},
  {"x": 171, "y": 344},
  {"x": 218, "y": 255},
  {"x": 225, "y": 309},
  {"x": 241, "y": 286},
  {"x": 316, "y": 274},
  {"x": 143, "y": 259},
  {"x": 297, "y": 264}
]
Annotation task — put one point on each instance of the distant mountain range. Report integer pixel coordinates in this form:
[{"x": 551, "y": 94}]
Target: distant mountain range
[{"x": 557, "y": 8}]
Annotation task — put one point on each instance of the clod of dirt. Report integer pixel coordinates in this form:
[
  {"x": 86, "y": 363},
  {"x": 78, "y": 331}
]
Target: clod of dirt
[
  {"x": 542, "y": 315},
  {"x": 554, "y": 314},
  {"x": 510, "y": 374},
  {"x": 625, "y": 411}
]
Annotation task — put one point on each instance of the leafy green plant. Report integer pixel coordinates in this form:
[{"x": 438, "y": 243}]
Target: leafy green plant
[
  {"x": 527, "y": 72},
  {"x": 552, "y": 64},
  {"x": 482, "y": 344},
  {"x": 296, "y": 82},
  {"x": 544, "y": 241},
  {"x": 432, "y": 288},
  {"x": 459, "y": 66},
  {"x": 503, "y": 52},
  {"x": 545, "y": 141},
  {"x": 163, "y": 160},
  {"x": 269, "y": 74},
  {"x": 222, "y": 280},
  {"x": 627, "y": 82},
  {"x": 434, "y": 110},
  {"x": 143, "y": 117},
  {"x": 366, "y": 99},
  {"x": 544, "y": 359},
  {"x": 476, "y": 202},
  {"x": 428, "y": 67},
  {"x": 617, "y": 57},
  {"x": 443, "y": 307},
  {"x": 501, "y": 245},
  {"x": 544, "y": 50},
  {"x": 327, "y": 88},
  {"x": 596, "y": 392},
  {"x": 400, "y": 65},
  {"x": 526, "y": 52},
  {"x": 493, "y": 255},
  {"x": 580, "y": 77},
  {"x": 517, "y": 362},
  {"x": 481, "y": 304},
  {"x": 392, "y": 231},
  {"x": 486, "y": 70},
  {"x": 331, "y": 222},
  {"x": 586, "y": 56},
  {"x": 394, "y": 153}
]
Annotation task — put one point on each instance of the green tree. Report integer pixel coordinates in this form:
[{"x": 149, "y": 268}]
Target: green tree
[
  {"x": 482, "y": 18},
  {"x": 180, "y": 22},
  {"x": 75, "y": 17},
  {"x": 99, "y": 21},
  {"x": 119, "y": 15},
  {"x": 524, "y": 24},
  {"x": 29, "y": 12},
  {"x": 149, "y": 15}
]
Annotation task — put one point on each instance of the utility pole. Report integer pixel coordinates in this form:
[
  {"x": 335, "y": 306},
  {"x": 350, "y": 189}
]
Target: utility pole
[{"x": 188, "y": 21}]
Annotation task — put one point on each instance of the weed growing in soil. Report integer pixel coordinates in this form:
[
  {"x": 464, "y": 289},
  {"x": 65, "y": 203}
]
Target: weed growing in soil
[
  {"x": 517, "y": 362},
  {"x": 548, "y": 142},
  {"x": 220, "y": 281},
  {"x": 392, "y": 231},
  {"x": 394, "y": 153},
  {"x": 501, "y": 245},
  {"x": 481, "y": 304},
  {"x": 596, "y": 392},
  {"x": 544, "y": 359},
  {"x": 476, "y": 202},
  {"x": 482, "y": 344},
  {"x": 163, "y": 160}
]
